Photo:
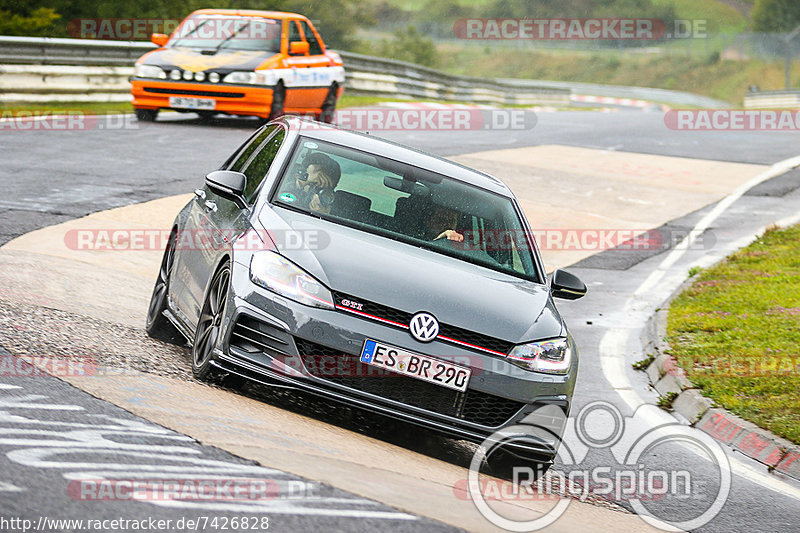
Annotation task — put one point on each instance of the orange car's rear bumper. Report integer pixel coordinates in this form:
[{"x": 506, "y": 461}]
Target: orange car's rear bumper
[{"x": 233, "y": 99}]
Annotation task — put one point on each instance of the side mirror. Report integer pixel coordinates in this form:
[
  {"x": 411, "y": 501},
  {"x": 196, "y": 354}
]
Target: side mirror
[
  {"x": 298, "y": 48},
  {"x": 567, "y": 286},
  {"x": 159, "y": 39},
  {"x": 229, "y": 185}
]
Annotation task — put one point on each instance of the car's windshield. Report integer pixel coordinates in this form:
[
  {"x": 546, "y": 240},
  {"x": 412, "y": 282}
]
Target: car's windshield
[
  {"x": 406, "y": 203},
  {"x": 218, "y": 32}
]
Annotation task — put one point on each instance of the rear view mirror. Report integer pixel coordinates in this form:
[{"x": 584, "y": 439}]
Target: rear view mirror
[
  {"x": 298, "y": 48},
  {"x": 567, "y": 286},
  {"x": 407, "y": 186},
  {"x": 229, "y": 185},
  {"x": 159, "y": 39}
]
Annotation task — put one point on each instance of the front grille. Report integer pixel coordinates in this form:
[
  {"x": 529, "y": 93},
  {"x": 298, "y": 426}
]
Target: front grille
[
  {"x": 162, "y": 90},
  {"x": 445, "y": 330},
  {"x": 347, "y": 370}
]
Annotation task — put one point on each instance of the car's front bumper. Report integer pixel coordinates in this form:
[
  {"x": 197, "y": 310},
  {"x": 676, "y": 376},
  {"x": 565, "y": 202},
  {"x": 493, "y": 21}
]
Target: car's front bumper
[
  {"x": 275, "y": 340},
  {"x": 231, "y": 99}
]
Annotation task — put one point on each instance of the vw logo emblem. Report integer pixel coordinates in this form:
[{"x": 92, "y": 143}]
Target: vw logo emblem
[{"x": 424, "y": 327}]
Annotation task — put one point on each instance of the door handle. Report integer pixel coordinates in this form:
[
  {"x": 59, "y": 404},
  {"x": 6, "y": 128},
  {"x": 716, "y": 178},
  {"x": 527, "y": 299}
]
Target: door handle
[{"x": 211, "y": 206}]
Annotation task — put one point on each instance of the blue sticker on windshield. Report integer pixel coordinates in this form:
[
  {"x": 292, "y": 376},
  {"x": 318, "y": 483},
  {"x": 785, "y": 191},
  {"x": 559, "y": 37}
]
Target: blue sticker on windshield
[{"x": 287, "y": 197}]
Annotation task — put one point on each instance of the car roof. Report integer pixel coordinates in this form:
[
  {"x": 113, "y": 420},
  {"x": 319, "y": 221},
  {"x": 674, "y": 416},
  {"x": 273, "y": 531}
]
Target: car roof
[
  {"x": 399, "y": 152},
  {"x": 249, "y": 13}
]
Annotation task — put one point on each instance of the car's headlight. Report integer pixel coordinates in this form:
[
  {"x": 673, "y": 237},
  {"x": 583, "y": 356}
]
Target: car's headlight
[
  {"x": 552, "y": 356},
  {"x": 149, "y": 71},
  {"x": 260, "y": 77},
  {"x": 276, "y": 273}
]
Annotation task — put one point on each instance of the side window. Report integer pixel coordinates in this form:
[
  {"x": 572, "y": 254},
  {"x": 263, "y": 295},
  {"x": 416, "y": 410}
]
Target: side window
[
  {"x": 257, "y": 168},
  {"x": 294, "y": 32},
  {"x": 236, "y": 163},
  {"x": 314, "y": 47}
]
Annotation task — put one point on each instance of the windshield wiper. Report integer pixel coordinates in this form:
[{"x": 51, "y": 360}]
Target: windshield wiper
[
  {"x": 188, "y": 34},
  {"x": 225, "y": 40}
]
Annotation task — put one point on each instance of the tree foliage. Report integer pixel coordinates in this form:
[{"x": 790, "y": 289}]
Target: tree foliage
[
  {"x": 775, "y": 16},
  {"x": 39, "y": 22},
  {"x": 336, "y": 20},
  {"x": 408, "y": 45}
]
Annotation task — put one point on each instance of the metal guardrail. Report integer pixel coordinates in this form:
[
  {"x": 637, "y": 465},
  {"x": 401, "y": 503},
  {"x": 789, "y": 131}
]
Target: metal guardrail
[
  {"x": 666, "y": 96},
  {"x": 787, "y": 99},
  {"x": 49, "y": 51},
  {"x": 365, "y": 75}
]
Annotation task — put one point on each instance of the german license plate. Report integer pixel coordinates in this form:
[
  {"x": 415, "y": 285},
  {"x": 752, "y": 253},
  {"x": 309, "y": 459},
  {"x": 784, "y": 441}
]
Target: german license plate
[
  {"x": 415, "y": 365},
  {"x": 192, "y": 103}
]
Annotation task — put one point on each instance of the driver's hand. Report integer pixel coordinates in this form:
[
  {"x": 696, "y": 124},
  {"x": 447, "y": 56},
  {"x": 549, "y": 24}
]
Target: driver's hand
[
  {"x": 452, "y": 235},
  {"x": 316, "y": 205}
]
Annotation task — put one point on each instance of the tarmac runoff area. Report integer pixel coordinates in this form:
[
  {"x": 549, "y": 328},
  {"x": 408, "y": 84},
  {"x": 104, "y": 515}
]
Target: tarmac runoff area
[{"x": 560, "y": 188}]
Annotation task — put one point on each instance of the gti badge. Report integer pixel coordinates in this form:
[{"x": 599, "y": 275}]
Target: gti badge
[{"x": 424, "y": 327}]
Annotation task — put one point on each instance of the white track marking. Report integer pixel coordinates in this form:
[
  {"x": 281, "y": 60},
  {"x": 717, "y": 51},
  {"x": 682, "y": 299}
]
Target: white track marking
[{"x": 637, "y": 310}]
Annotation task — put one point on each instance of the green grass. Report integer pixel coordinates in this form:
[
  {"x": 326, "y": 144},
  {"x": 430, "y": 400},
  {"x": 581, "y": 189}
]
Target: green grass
[
  {"x": 708, "y": 75},
  {"x": 736, "y": 332},
  {"x": 720, "y": 17},
  {"x": 97, "y": 108}
]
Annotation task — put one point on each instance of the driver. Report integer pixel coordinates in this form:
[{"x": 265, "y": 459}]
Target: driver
[
  {"x": 441, "y": 225},
  {"x": 314, "y": 185}
]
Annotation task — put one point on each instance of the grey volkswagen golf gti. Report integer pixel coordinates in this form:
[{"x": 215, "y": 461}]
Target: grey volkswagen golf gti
[{"x": 373, "y": 274}]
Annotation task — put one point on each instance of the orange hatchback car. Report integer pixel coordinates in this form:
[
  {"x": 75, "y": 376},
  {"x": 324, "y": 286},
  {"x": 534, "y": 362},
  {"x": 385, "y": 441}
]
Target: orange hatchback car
[{"x": 239, "y": 62}]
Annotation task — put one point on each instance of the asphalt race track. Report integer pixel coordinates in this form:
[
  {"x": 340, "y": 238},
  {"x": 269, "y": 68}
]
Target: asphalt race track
[{"x": 55, "y": 177}]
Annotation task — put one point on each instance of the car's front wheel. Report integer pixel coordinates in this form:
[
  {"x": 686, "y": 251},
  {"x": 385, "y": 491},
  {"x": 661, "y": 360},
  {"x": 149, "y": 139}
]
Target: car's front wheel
[
  {"x": 328, "y": 110},
  {"x": 278, "y": 99},
  {"x": 146, "y": 115},
  {"x": 157, "y": 325},
  {"x": 209, "y": 327}
]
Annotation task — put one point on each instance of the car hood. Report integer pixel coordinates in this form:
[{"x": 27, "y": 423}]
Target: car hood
[
  {"x": 193, "y": 60},
  {"x": 412, "y": 279}
]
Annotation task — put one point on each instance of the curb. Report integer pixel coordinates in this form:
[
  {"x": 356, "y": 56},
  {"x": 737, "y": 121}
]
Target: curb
[{"x": 668, "y": 379}]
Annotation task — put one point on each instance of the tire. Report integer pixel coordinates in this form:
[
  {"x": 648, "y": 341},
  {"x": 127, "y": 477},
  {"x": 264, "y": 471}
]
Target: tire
[
  {"x": 501, "y": 464},
  {"x": 157, "y": 325},
  {"x": 146, "y": 115},
  {"x": 209, "y": 326},
  {"x": 278, "y": 99},
  {"x": 328, "y": 110}
]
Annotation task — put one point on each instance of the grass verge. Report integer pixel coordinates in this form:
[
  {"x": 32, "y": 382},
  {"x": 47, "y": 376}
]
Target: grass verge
[
  {"x": 96, "y": 108},
  {"x": 736, "y": 332}
]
